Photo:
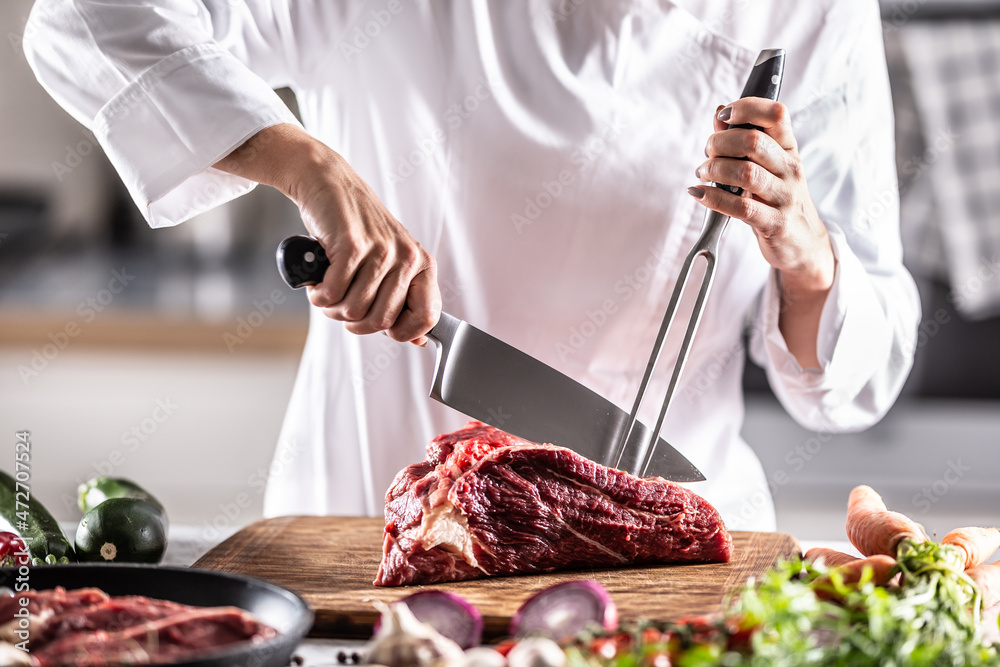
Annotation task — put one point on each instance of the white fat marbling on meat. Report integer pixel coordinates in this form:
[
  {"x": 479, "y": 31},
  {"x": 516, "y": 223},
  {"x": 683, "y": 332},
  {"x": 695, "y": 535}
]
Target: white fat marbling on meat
[{"x": 445, "y": 526}]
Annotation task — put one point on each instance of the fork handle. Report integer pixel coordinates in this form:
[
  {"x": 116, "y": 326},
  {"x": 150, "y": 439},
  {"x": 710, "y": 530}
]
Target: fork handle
[{"x": 764, "y": 81}]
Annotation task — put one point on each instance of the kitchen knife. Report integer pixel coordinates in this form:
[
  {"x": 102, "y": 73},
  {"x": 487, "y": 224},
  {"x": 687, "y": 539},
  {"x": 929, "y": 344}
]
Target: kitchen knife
[{"x": 489, "y": 380}]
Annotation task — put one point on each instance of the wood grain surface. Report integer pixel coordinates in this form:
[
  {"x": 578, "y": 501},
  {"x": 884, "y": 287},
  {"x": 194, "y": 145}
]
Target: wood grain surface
[{"x": 331, "y": 562}]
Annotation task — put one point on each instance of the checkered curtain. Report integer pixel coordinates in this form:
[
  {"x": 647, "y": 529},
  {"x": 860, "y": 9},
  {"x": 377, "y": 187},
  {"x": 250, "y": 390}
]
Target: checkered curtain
[{"x": 946, "y": 87}]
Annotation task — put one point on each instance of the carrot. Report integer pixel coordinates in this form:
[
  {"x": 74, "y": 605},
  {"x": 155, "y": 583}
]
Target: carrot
[
  {"x": 831, "y": 557},
  {"x": 873, "y": 529},
  {"x": 978, "y": 544},
  {"x": 987, "y": 577},
  {"x": 881, "y": 566}
]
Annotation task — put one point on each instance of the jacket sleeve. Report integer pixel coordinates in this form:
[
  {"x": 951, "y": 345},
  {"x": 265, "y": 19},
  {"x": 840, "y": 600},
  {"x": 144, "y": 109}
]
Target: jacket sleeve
[
  {"x": 844, "y": 126},
  {"x": 168, "y": 88}
]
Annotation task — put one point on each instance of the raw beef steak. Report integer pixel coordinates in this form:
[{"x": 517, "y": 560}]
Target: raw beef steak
[
  {"x": 88, "y": 628},
  {"x": 487, "y": 503}
]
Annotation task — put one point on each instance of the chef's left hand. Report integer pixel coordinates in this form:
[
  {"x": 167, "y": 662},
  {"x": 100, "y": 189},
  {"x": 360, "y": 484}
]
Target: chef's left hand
[
  {"x": 776, "y": 201},
  {"x": 778, "y": 207}
]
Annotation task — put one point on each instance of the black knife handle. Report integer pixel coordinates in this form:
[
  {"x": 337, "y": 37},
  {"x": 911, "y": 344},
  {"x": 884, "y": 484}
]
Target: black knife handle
[
  {"x": 764, "y": 81},
  {"x": 301, "y": 261},
  {"x": 765, "y": 77}
]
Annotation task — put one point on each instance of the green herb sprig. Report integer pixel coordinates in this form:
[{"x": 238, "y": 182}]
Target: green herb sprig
[{"x": 803, "y": 614}]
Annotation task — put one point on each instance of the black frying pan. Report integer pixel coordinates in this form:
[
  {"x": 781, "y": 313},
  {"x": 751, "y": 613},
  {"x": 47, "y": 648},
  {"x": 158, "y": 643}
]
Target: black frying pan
[{"x": 283, "y": 610}]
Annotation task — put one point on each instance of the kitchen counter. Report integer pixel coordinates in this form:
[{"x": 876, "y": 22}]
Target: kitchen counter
[
  {"x": 323, "y": 652},
  {"x": 187, "y": 543}
]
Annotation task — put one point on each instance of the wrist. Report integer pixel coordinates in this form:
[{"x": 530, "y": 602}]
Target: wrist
[
  {"x": 803, "y": 295},
  {"x": 283, "y": 156},
  {"x": 810, "y": 281},
  {"x": 805, "y": 287},
  {"x": 303, "y": 165}
]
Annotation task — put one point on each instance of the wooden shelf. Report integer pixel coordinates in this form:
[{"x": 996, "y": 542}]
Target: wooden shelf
[{"x": 148, "y": 330}]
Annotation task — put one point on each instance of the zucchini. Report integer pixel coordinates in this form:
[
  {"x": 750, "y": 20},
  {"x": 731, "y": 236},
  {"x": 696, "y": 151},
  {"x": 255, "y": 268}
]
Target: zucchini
[
  {"x": 101, "y": 488},
  {"x": 37, "y": 527},
  {"x": 122, "y": 530},
  {"x": 122, "y": 522}
]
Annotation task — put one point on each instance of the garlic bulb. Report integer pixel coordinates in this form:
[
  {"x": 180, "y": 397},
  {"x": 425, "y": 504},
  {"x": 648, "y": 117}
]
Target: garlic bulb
[
  {"x": 10, "y": 656},
  {"x": 483, "y": 656},
  {"x": 536, "y": 652},
  {"x": 403, "y": 641}
]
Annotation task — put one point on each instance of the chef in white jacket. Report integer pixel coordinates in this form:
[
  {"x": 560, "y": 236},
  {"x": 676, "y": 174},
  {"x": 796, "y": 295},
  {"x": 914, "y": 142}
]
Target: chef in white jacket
[{"x": 527, "y": 164}]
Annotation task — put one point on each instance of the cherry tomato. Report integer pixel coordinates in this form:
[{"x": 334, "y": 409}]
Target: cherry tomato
[
  {"x": 660, "y": 659},
  {"x": 504, "y": 647},
  {"x": 19, "y": 550},
  {"x": 651, "y": 635},
  {"x": 5, "y": 543},
  {"x": 604, "y": 647},
  {"x": 13, "y": 550}
]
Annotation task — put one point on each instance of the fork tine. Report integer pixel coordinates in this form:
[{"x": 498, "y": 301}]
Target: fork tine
[
  {"x": 654, "y": 358},
  {"x": 699, "y": 309},
  {"x": 707, "y": 245},
  {"x": 764, "y": 81}
]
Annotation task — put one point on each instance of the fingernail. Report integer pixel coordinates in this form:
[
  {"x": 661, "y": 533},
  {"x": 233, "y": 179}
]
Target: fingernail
[
  {"x": 726, "y": 114},
  {"x": 695, "y": 192}
]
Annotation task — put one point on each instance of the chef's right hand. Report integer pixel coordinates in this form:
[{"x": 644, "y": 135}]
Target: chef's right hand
[{"x": 380, "y": 278}]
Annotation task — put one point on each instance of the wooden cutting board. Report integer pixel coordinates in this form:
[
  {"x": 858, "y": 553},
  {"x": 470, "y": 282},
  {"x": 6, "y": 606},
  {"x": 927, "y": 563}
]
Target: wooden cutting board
[{"x": 331, "y": 562}]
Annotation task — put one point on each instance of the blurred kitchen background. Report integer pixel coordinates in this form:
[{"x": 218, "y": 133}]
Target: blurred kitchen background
[{"x": 168, "y": 356}]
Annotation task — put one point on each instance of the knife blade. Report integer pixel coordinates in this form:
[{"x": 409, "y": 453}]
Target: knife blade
[{"x": 489, "y": 380}]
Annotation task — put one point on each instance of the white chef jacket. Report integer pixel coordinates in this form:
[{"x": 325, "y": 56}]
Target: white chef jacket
[{"x": 541, "y": 150}]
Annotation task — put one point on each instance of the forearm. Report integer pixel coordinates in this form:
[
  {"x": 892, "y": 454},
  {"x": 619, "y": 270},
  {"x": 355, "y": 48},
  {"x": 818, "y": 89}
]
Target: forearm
[
  {"x": 283, "y": 156},
  {"x": 803, "y": 295},
  {"x": 865, "y": 342},
  {"x": 380, "y": 278}
]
